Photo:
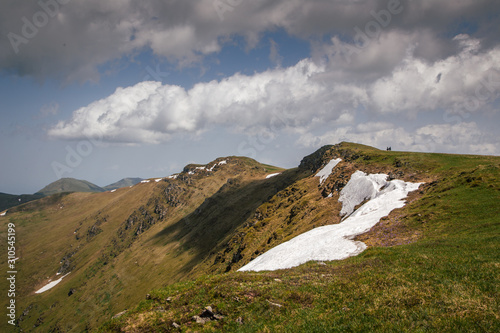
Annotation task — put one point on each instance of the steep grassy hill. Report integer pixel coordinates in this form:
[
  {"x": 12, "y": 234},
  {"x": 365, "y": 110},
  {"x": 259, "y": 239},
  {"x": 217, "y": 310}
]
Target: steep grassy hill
[
  {"x": 69, "y": 185},
  {"x": 122, "y": 183},
  {"x": 118, "y": 245},
  {"x": 433, "y": 264}
]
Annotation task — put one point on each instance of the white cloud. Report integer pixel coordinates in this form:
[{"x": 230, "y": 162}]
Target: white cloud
[
  {"x": 305, "y": 98},
  {"x": 150, "y": 112},
  {"x": 468, "y": 78}
]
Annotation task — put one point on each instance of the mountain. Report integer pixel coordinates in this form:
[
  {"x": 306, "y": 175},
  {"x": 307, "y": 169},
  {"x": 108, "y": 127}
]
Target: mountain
[
  {"x": 161, "y": 252},
  {"x": 122, "y": 183},
  {"x": 69, "y": 185},
  {"x": 62, "y": 185}
]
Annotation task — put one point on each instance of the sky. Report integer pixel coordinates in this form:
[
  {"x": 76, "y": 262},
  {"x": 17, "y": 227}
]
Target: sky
[{"x": 102, "y": 90}]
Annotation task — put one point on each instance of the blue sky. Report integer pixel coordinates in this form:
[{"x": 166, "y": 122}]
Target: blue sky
[{"x": 105, "y": 90}]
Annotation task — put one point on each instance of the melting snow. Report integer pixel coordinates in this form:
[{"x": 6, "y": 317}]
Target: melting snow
[
  {"x": 220, "y": 163},
  {"x": 145, "y": 181},
  {"x": 157, "y": 180},
  {"x": 172, "y": 177},
  {"x": 50, "y": 285},
  {"x": 359, "y": 188},
  {"x": 327, "y": 170},
  {"x": 334, "y": 242},
  {"x": 272, "y": 175},
  {"x": 3, "y": 214}
]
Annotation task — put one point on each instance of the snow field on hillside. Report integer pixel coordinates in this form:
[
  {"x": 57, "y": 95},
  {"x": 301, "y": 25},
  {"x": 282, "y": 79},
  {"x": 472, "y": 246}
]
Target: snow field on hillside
[
  {"x": 334, "y": 242},
  {"x": 327, "y": 170},
  {"x": 272, "y": 175},
  {"x": 50, "y": 285}
]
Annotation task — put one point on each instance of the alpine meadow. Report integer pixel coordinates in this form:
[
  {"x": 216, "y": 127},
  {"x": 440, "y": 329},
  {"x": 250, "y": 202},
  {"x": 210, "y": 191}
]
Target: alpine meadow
[{"x": 154, "y": 256}]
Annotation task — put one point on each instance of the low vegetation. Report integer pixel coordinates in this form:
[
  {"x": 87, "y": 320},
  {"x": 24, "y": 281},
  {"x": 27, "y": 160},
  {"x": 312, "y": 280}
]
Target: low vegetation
[{"x": 177, "y": 244}]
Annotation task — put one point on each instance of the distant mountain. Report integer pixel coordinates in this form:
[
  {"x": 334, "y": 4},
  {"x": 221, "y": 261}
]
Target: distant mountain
[
  {"x": 11, "y": 200},
  {"x": 122, "y": 183},
  {"x": 69, "y": 185}
]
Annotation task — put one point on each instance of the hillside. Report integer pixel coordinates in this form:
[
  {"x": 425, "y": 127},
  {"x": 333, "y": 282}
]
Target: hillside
[
  {"x": 432, "y": 264},
  {"x": 122, "y": 183},
  {"x": 69, "y": 185},
  {"x": 12, "y": 200}
]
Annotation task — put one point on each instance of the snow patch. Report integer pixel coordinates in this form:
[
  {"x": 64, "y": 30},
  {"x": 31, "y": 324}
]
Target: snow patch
[
  {"x": 3, "y": 214},
  {"x": 222, "y": 162},
  {"x": 173, "y": 176},
  {"x": 113, "y": 191},
  {"x": 159, "y": 179},
  {"x": 145, "y": 181},
  {"x": 327, "y": 170},
  {"x": 50, "y": 285},
  {"x": 272, "y": 175},
  {"x": 359, "y": 188},
  {"x": 334, "y": 242}
]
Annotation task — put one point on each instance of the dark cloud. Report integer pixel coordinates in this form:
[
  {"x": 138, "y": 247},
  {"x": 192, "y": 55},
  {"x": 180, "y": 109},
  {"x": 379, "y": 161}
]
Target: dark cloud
[{"x": 69, "y": 39}]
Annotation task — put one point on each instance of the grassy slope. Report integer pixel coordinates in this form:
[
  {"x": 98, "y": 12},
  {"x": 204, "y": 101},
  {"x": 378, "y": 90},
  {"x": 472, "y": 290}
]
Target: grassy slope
[
  {"x": 445, "y": 279},
  {"x": 112, "y": 264}
]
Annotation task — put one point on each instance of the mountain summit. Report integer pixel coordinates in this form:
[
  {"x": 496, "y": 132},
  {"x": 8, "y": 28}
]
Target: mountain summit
[
  {"x": 122, "y": 183},
  {"x": 69, "y": 185}
]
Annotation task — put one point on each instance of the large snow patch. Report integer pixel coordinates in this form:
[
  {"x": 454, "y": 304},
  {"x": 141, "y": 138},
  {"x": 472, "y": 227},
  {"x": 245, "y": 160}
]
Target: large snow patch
[{"x": 334, "y": 242}]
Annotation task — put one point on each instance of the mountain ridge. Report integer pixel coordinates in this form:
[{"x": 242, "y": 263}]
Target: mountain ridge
[{"x": 201, "y": 225}]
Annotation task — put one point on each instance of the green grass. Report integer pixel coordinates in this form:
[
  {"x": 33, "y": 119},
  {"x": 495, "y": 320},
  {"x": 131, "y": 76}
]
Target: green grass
[
  {"x": 446, "y": 281},
  {"x": 445, "y": 278}
]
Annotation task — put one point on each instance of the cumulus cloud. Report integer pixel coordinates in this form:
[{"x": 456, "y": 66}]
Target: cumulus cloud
[
  {"x": 306, "y": 96},
  {"x": 150, "y": 112}
]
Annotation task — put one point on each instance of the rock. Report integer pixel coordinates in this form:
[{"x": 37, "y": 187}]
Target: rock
[
  {"x": 168, "y": 300},
  {"x": 174, "y": 324},
  {"x": 119, "y": 314},
  {"x": 200, "y": 320},
  {"x": 239, "y": 320},
  {"x": 148, "y": 296},
  {"x": 207, "y": 315},
  {"x": 71, "y": 292}
]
